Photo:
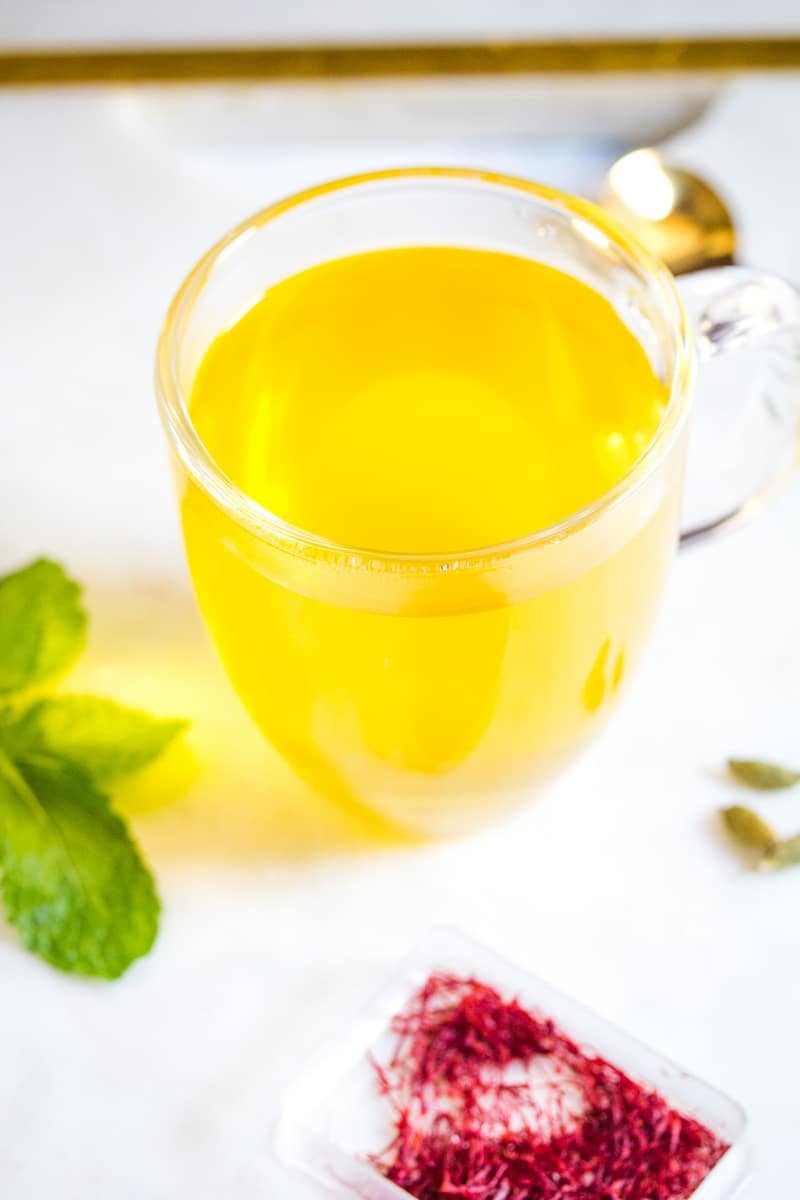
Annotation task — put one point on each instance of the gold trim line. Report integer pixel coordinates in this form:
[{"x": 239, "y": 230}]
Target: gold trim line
[{"x": 25, "y": 68}]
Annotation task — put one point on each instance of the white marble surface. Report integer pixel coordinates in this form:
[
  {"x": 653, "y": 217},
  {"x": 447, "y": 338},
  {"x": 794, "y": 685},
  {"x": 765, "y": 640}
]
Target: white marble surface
[{"x": 279, "y": 913}]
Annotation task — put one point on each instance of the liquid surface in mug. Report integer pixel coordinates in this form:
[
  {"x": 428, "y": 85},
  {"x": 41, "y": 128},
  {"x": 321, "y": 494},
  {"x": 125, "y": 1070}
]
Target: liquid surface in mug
[
  {"x": 427, "y": 399},
  {"x": 423, "y": 400}
]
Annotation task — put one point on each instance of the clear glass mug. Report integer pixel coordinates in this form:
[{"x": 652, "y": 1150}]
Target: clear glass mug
[{"x": 437, "y": 689}]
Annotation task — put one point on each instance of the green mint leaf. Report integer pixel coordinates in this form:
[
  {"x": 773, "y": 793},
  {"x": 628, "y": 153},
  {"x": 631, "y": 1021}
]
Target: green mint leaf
[
  {"x": 73, "y": 883},
  {"x": 42, "y": 624},
  {"x": 764, "y": 776},
  {"x": 105, "y": 738}
]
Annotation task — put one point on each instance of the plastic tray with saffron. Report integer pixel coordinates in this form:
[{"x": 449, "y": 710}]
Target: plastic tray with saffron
[{"x": 333, "y": 1117}]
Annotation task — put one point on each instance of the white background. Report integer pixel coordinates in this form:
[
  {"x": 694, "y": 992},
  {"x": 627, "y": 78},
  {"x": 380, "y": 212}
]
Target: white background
[
  {"x": 47, "y": 22},
  {"x": 280, "y": 914}
]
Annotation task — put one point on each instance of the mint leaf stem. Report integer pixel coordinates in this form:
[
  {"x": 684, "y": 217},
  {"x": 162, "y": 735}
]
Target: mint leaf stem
[{"x": 72, "y": 880}]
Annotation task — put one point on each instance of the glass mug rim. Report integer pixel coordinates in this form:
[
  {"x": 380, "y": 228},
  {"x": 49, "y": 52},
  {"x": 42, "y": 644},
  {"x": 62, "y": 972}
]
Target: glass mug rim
[{"x": 268, "y": 526}]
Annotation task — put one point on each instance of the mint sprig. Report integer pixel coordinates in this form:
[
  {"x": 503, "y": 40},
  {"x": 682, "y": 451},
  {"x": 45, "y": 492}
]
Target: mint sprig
[{"x": 72, "y": 880}]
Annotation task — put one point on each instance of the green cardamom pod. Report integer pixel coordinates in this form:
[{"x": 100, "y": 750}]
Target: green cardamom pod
[
  {"x": 749, "y": 829},
  {"x": 785, "y": 853},
  {"x": 766, "y": 777}
]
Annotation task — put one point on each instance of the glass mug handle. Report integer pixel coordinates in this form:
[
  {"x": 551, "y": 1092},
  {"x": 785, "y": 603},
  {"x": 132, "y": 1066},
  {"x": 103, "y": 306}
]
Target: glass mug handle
[{"x": 745, "y": 436}]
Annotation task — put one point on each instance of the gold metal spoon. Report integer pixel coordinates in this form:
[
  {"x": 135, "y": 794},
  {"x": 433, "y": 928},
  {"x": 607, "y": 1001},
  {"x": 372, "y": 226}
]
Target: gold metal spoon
[{"x": 673, "y": 212}]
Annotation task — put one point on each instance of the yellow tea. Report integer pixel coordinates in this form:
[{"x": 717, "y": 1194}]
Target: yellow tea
[{"x": 427, "y": 401}]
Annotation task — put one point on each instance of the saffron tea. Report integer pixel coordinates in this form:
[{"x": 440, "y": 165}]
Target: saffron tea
[
  {"x": 419, "y": 401},
  {"x": 429, "y": 429}
]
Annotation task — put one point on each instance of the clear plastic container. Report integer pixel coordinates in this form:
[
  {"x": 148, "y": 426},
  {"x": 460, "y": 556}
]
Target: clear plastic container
[{"x": 333, "y": 1117}]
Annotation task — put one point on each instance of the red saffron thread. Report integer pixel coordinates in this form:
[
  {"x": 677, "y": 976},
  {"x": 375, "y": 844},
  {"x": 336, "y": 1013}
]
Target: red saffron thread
[{"x": 492, "y": 1102}]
